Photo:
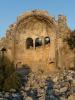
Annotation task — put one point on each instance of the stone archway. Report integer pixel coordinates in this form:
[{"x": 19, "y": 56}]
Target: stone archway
[
  {"x": 38, "y": 42},
  {"x": 42, "y": 29},
  {"x": 29, "y": 43},
  {"x": 47, "y": 40}
]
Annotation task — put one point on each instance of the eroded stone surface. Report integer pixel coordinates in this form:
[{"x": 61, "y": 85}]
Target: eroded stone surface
[{"x": 35, "y": 25}]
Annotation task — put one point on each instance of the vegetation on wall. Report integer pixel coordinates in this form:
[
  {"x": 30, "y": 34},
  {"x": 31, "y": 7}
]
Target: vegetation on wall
[
  {"x": 71, "y": 42},
  {"x": 8, "y": 77}
]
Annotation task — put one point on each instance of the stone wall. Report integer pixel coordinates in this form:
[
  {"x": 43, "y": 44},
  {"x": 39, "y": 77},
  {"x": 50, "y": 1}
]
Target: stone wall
[{"x": 36, "y": 25}]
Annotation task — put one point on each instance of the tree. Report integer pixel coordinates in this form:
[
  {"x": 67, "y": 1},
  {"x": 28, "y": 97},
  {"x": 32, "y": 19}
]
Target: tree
[
  {"x": 71, "y": 42},
  {"x": 8, "y": 76}
]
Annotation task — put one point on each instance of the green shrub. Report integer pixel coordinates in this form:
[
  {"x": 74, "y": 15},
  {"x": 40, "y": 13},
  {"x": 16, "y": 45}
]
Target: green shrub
[{"x": 8, "y": 76}]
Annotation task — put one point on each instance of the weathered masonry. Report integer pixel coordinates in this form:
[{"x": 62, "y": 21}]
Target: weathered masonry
[{"x": 35, "y": 39}]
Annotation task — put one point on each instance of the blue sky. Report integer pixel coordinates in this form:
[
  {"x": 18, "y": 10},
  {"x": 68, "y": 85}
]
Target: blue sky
[{"x": 10, "y": 9}]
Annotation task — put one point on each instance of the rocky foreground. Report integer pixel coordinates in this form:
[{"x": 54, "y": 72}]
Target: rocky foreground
[{"x": 45, "y": 86}]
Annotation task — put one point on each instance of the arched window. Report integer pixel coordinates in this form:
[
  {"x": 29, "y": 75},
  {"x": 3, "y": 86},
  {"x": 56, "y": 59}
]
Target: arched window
[
  {"x": 38, "y": 42},
  {"x": 46, "y": 40},
  {"x": 3, "y": 49},
  {"x": 29, "y": 43}
]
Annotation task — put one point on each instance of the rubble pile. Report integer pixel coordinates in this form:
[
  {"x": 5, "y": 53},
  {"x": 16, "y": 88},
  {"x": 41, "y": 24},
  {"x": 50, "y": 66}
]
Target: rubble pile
[
  {"x": 50, "y": 86},
  {"x": 45, "y": 86}
]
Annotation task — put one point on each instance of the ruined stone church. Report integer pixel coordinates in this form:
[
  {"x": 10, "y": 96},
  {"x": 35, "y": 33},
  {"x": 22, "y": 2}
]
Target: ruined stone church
[{"x": 36, "y": 39}]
